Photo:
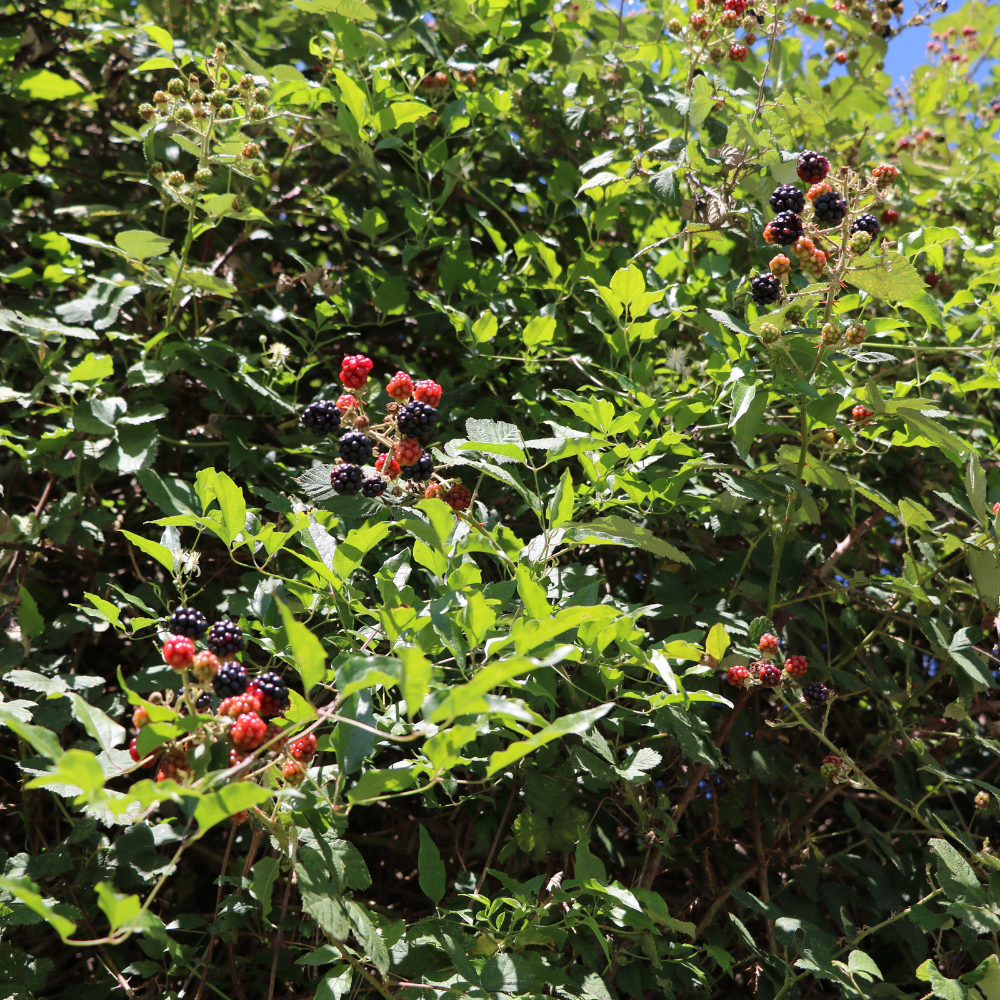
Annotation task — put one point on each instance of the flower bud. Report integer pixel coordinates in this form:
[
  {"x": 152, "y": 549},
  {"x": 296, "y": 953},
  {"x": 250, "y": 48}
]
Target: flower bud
[{"x": 156, "y": 169}]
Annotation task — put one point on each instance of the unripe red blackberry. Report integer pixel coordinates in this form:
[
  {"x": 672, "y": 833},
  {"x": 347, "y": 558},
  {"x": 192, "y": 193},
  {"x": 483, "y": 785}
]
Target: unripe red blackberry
[
  {"x": 248, "y": 731},
  {"x": 768, "y": 645},
  {"x": 346, "y": 402},
  {"x": 890, "y": 217},
  {"x": 304, "y": 748},
  {"x": 780, "y": 265},
  {"x": 803, "y": 248},
  {"x": 240, "y": 704},
  {"x": 738, "y": 53},
  {"x": 770, "y": 675},
  {"x": 812, "y": 167},
  {"x": 796, "y": 665},
  {"x": 982, "y": 800},
  {"x": 737, "y": 675},
  {"x": 293, "y": 772},
  {"x": 407, "y": 452},
  {"x": 354, "y": 370},
  {"x": 250, "y": 151},
  {"x": 133, "y": 749},
  {"x": 831, "y": 766},
  {"x": 178, "y": 651},
  {"x": 400, "y": 386},
  {"x": 173, "y": 766},
  {"x": 427, "y": 391},
  {"x": 140, "y": 716},
  {"x": 459, "y": 497},
  {"x": 860, "y": 413},
  {"x": 204, "y": 667},
  {"x": 387, "y": 465},
  {"x": 435, "y": 491},
  {"x": 697, "y": 21},
  {"x": 885, "y": 175}
]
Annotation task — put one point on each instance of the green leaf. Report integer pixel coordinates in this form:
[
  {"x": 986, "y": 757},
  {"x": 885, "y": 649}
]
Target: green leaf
[
  {"x": 353, "y": 9},
  {"x": 160, "y": 36},
  {"x": 108, "y": 733},
  {"x": 26, "y": 891},
  {"x": 120, "y": 910},
  {"x": 43, "y": 740},
  {"x": 469, "y": 697},
  {"x": 956, "y": 875},
  {"x": 265, "y": 873},
  {"x": 142, "y": 245},
  {"x": 78, "y": 768},
  {"x": 617, "y": 531},
  {"x": 376, "y": 784},
  {"x": 562, "y": 503},
  {"x": 416, "y": 681},
  {"x": 532, "y": 594},
  {"x": 232, "y": 504},
  {"x": 431, "y": 873},
  {"x": 214, "y": 807},
  {"x": 29, "y": 618},
  {"x": 308, "y": 651},
  {"x": 578, "y": 722},
  {"x": 749, "y": 405},
  {"x": 891, "y": 277},
  {"x": 159, "y": 552},
  {"x": 44, "y": 85},
  {"x": 353, "y": 96},
  {"x": 402, "y": 113},
  {"x": 443, "y": 749},
  {"x": 718, "y": 641},
  {"x": 92, "y": 369}
]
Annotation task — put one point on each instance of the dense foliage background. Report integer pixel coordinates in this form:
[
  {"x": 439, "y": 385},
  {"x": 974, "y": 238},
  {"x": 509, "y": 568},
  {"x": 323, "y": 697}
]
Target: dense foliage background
[{"x": 533, "y": 777}]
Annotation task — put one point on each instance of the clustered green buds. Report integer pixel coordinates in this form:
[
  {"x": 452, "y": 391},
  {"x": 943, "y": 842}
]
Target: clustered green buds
[
  {"x": 227, "y": 111},
  {"x": 258, "y": 113},
  {"x": 830, "y": 334},
  {"x": 855, "y": 334}
]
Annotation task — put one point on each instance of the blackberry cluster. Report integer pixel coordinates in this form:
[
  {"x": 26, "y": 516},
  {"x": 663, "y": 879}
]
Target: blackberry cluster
[
  {"x": 273, "y": 693},
  {"x": 866, "y": 223},
  {"x": 231, "y": 680},
  {"x": 830, "y": 208},
  {"x": 322, "y": 417},
  {"x": 423, "y": 469},
  {"x": 373, "y": 486},
  {"x": 189, "y": 622},
  {"x": 346, "y": 479},
  {"x": 786, "y": 228},
  {"x": 765, "y": 289},
  {"x": 812, "y": 166},
  {"x": 788, "y": 198},
  {"x": 417, "y": 420},
  {"x": 356, "y": 448},
  {"x": 815, "y": 693},
  {"x": 225, "y": 639}
]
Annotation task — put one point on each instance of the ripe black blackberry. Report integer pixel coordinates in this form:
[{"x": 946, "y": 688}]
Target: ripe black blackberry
[
  {"x": 189, "y": 622},
  {"x": 417, "y": 420},
  {"x": 424, "y": 468},
  {"x": 786, "y": 228},
  {"x": 812, "y": 166},
  {"x": 765, "y": 289},
  {"x": 815, "y": 693},
  {"x": 788, "y": 198},
  {"x": 225, "y": 639},
  {"x": 322, "y": 417},
  {"x": 346, "y": 479},
  {"x": 204, "y": 702},
  {"x": 230, "y": 681},
  {"x": 273, "y": 693},
  {"x": 373, "y": 486},
  {"x": 830, "y": 208},
  {"x": 866, "y": 223},
  {"x": 356, "y": 448}
]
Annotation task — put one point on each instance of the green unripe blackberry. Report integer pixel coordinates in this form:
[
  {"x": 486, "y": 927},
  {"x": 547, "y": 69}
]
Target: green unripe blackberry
[
  {"x": 183, "y": 115},
  {"x": 176, "y": 86},
  {"x": 769, "y": 333},
  {"x": 860, "y": 243},
  {"x": 147, "y": 112},
  {"x": 261, "y": 94},
  {"x": 227, "y": 111},
  {"x": 203, "y": 176},
  {"x": 258, "y": 113},
  {"x": 175, "y": 178},
  {"x": 156, "y": 169},
  {"x": 217, "y": 98}
]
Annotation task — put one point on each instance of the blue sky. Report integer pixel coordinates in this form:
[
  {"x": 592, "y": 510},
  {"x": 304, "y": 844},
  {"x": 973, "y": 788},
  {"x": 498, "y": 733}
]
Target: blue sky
[{"x": 910, "y": 50}]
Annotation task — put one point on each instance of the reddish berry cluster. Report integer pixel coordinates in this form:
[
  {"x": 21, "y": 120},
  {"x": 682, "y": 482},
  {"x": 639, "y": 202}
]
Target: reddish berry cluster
[
  {"x": 768, "y": 645},
  {"x": 796, "y": 665},
  {"x": 304, "y": 748},
  {"x": 860, "y": 413},
  {"x": 347, "y": 402},
  {"x": 407, "y": 451},
  {"x": 354, "y": 370},
  {"x": 248, "y": 731},
  {"x": 249, "y": 701},
  {"x": 178, "y": 651}
]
